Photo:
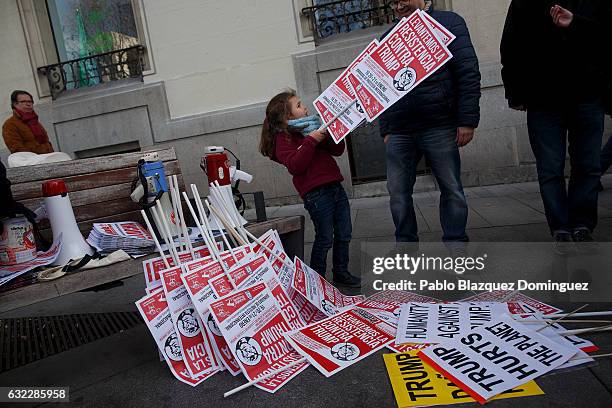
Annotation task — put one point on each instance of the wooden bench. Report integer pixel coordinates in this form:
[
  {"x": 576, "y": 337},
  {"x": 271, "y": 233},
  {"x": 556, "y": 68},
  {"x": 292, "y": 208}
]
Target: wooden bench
[
  {"x": 291, "y": 230},
  {"x": 99, "y": 190}
]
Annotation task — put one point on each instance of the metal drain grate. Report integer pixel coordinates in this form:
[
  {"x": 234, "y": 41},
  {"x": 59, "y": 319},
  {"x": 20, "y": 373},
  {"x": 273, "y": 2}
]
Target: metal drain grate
[{"x": 28, "y": 339}]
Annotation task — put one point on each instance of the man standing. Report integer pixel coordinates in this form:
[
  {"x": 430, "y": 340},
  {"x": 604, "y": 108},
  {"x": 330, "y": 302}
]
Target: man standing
[
  {"x": 434, "y": 119},
  {"x": 553, "y": 67}
]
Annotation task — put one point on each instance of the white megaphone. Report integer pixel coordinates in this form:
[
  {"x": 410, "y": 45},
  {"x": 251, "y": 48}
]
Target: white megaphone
[{"x": 61, "y": 216}]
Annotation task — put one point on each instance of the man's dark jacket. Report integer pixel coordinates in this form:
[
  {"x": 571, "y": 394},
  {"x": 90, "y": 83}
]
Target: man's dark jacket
[
  {"x": 543, "y": 65},
  {"x": 450, "y": 97}
]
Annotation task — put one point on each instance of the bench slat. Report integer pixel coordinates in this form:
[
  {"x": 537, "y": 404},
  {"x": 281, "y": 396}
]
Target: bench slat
[
  {"x": 93, "y": 195},
  {"x": 69, "y": 168},
  {"x": 79, "y": 182}
]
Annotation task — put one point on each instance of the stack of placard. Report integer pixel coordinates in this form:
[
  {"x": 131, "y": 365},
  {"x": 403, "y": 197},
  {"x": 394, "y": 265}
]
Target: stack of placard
[
  {"x": 489, "y": 346},
  {"x": 250, "y": 310},
  {"x": 129, "y": 236},
  {"x": 228, "y": 311}
]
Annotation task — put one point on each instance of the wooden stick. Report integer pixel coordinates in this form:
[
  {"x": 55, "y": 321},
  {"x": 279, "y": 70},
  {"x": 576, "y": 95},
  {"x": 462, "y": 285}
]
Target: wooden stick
[
  {"x": 165, "y": 226},
  {"x": 150, "y": 228},
  {"x": 249, "y": 235},
  {"x": 213, "y": 193},
  {"x": 212, "y": 247},
  {"x": 198, "y": 201},
  {"x": 226, "y": 224},
  {"x": 589, "y": 357},
  {"x": 209, "y": 240},
  {"x": 224, "y": 266},
  {"x": 202, "y": 214},
  {"x": 182, "y": 217},
  {"x": 265, "y": 377},
  {"x": 561, "y": 318},
  {"x": 230, "y": 210},
  {"x": 226, "y": 209},
  {"x": 585, "y": 330},
  {"x": 254, "y": 238},
  {"x": 161, "y": 230},
  {"x": 176, "y": 215},
  {"x": 583, "y": 314},
  {"x": 342, "y": 112},
  {"x": 224, "y": 217},
  {"x": 527, "y": 321}
]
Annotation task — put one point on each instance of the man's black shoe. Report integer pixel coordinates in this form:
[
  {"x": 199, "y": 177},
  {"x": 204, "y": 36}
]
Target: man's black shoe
[
  {"x": 582, "y": 235},
  {"x": 585, "y": 243},
  {"x": 563, "y": 243},
  {"x": 347, "y": 280}
]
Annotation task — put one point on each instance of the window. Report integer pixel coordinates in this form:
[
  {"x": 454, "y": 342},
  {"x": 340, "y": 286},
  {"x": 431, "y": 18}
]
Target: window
[
  {"x": 56, "y": 32},
  {"x": 330, "y": 17},
  {"x": 88, "y": 27}
]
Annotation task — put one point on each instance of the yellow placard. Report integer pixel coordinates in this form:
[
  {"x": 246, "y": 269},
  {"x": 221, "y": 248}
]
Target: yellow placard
[{"x": 416, "y": 384}]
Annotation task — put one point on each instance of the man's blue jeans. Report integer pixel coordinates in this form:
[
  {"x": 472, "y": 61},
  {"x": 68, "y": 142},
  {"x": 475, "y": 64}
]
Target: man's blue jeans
[
  {"x": 403, "y": 154},
  {"x": 606, "y": 156},
  {"x": 330, "y": 213},
  {"x": 549, "y": 130}
]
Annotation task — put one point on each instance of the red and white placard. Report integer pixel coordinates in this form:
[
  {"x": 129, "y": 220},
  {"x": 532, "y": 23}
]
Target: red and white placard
[
  {"x": 387, "y": 303},
  {"x": 407, "y": 56},
  {"x": 253, "y": 326},
  {"x": 439, "y": 30},
  {"x": 322, "y": 294},
  {"x": 337, "y": 97},
  {"x": 153, "y": 266},
  {"x": 256, "y": 271},
  {"x": 194, "y": 341},
  {"x": 155, "y": 312},
  {"x": 339, "y": 341},
  {"x": 198, "y": 286}
]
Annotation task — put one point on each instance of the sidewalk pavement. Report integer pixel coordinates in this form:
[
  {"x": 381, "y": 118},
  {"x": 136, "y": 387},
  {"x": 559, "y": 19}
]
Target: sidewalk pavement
[
  {"x": 123, "y": 370},
  {"x": 500, "y": 213}
]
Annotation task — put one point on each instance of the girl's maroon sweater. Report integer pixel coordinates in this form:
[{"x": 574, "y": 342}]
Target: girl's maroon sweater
[{"x": 309, "y": 162}]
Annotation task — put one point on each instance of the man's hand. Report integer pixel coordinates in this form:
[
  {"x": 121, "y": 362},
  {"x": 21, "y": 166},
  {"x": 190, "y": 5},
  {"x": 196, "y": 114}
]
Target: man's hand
[
  {"x": 319, "y": 135},
  {"x": 386, "y": 139},
  {"x": 464, "y": 135},
  {"x": 561, "y": 17}
]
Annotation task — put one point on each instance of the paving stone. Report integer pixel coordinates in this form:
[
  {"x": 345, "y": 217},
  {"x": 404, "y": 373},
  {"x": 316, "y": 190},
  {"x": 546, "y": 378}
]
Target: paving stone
[
  {"x": 503, "y": 211},
  {"x": 378, "y": 222}
]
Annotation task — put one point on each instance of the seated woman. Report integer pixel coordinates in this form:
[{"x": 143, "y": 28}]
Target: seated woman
[{"x": 22, "y": 132}]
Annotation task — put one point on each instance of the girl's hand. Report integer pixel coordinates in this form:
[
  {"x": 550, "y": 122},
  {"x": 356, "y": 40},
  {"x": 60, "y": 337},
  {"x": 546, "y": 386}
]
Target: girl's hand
[{"x": 319, "y": 135}]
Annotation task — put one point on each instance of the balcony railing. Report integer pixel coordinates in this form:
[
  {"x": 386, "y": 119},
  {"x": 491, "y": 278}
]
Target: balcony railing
[
  {"x": 334, "y": 17},
  {"x": 94, "y": 70}
]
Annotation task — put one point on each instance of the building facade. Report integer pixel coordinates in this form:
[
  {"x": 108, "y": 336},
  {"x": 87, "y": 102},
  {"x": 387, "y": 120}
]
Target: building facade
[{"x": 208, "y": 69}]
